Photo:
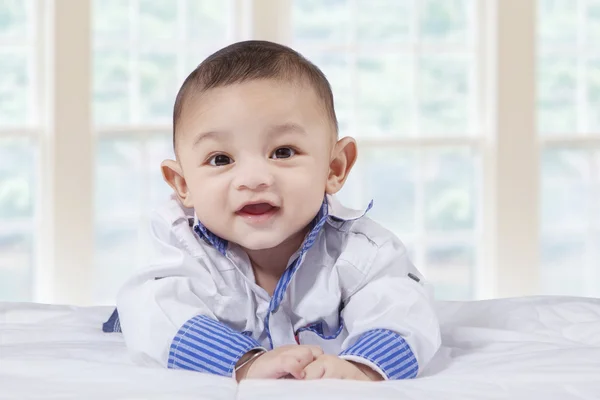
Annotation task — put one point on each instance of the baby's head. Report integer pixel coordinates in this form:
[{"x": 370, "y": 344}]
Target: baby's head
[{"x": 255, "y": 138}]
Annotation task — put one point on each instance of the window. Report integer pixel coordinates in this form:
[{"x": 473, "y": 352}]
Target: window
[
  {"x": 448, "y": 143},
  {"x": 569, "y": 129},
  {"x": 404, "y": 75},
  {"x": 18, "y": 148},
  {"x": 143, "y": 50}
]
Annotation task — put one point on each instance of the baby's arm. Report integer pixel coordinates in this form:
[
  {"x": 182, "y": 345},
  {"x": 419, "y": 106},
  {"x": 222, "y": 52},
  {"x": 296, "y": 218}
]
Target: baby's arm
[
  {"x": 165, "y": 322},
  {"x": 166, "y": 312},
  {"x": 391, "y": 323}
]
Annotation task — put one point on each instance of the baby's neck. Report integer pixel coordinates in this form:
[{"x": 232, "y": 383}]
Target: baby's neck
[{"x": 269, "y": 264}]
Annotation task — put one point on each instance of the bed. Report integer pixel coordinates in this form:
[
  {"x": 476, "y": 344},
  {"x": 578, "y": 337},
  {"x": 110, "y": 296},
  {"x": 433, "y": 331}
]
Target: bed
[{"x": 522, "y": 348}]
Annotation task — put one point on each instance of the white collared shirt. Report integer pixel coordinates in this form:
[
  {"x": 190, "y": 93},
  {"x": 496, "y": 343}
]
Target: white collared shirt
[{"x": 350, "y": 289}]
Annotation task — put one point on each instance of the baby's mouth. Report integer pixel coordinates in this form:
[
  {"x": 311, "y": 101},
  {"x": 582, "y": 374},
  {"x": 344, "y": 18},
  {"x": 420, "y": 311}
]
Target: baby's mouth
[{"x": 257, "y": 209}]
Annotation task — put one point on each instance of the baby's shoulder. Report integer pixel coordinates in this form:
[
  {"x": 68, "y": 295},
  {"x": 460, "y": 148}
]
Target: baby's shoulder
[
  {"x": 361, "y": 232},
  {"x": 171, "y": 224},
  {"x": 357, "y": 242}
]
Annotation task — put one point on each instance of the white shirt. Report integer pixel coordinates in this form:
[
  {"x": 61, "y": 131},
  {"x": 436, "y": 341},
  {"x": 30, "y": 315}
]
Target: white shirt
[{"x": 350, "y": 289}]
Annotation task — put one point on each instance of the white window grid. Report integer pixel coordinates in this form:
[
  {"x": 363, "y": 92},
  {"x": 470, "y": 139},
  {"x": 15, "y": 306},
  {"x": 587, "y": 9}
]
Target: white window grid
[
  {"x": 583, "y": 138},
  {"x": 509, "y": 146},
  {"x": 30, "y": 130}
]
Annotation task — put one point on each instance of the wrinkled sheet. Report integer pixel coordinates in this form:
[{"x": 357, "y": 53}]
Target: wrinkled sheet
[{"x": 525, "y": 348}]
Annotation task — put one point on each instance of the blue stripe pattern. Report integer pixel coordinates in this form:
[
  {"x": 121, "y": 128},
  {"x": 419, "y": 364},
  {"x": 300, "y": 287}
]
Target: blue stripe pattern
[
  {"x": 318, "y": 329},
  {"x": 205, "y": 345},
  {"x": 388, "y": 350},
  {"x": 218, "y": 243},
  {"x": 113, "y": 325}
]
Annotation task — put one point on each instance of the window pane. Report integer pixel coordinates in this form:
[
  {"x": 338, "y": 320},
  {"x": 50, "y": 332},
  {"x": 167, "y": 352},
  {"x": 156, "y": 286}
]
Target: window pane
[
  {"x": 119, "y": 177},
  {"x": 593, "y": 93},
  {"x": 444, "y": 21},
  {"x": 16, "y": 261},
  {"x": 449, "y": 269},
  {"x": 384, "y": 21},
  {"x": 566, "y": 189},
  {"x": 568, "y": 67},
  {"x": 390, "y": 179},
  {"x": 158, "y": 20},
  {"x": 322, "y": 22},
  {"x": 111, "y": 20},
  {"x": 14, "y": 18},
  {"x": 557, "y": 23},
  {"x": 18, "y": 165},
  {"x": 117, "y": 247},
  {"x": 557, "y": 95},
  {"x": 451, "y": 191},
  {"x": 444, "y": 95},
  {"x": 571, "y": 222},
  {"x": 144, "y": 49},
  {"x": 593, "y": 22},
  {"x": 563, "y": 265},
  {"x": 158, "y": 87},
  {"x": 570, "y": 264},
  {"x": 17, "y": 178},
  {"x": 208, "y": 19},
  {"x": 112, "y": 80},
  {"x": 569, "y": 104},
  {"x": 15, "y": 88},
  {"x": 384, "y": 95},
  {"x": 18, "y": 156}
]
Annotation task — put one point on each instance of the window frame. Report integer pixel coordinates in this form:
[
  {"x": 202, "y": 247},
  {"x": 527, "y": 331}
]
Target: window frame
[{"x": 510, "y": 147}]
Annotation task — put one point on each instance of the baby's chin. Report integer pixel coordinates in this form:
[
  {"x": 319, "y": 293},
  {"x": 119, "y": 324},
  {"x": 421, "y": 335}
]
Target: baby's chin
[{"x": 257, "y": 243}]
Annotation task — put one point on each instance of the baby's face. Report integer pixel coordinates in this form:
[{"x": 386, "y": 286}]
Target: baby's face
[{"x": 255, "y": 157}]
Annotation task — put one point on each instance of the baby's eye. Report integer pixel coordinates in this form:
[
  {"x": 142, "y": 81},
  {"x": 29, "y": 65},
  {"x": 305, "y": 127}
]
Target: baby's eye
[
  {"x": 220, "y": 160},
  {"x": 283, "y": 152}
]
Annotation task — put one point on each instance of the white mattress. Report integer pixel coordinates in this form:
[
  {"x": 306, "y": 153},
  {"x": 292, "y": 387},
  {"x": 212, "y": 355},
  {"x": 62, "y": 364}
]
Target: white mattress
[{"x": 527, "y": 348}]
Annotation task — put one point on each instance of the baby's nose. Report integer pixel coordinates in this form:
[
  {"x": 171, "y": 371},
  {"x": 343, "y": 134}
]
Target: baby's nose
[{"x": 253, "y": 176}]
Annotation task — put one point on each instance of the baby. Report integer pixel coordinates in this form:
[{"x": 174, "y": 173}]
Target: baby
[{"x": 258, "y": 271}]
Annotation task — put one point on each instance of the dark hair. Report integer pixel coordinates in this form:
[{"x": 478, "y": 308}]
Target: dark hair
[{"x": 253, "y": 60}]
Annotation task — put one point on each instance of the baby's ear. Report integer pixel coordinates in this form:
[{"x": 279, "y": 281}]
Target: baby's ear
[
  {"x": 173, "y": 175},
  {"x": 343, "y": 158}
]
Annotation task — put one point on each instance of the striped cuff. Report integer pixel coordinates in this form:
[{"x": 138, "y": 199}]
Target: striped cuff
[
  {"x": 387, "y": 350},
  {"x": 205, "y": 345}
]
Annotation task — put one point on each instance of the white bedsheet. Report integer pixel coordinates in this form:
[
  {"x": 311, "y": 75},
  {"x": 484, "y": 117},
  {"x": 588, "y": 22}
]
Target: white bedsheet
[{"x": 527, "y": 348}]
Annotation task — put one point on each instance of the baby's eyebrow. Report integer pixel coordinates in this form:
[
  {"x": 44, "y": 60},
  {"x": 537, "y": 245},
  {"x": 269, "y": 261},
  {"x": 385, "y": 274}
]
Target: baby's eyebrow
[
  {"x": 274, "y": 130},
  {"x": 288, "y": 127},
  {"x": 210, "y": 135}
]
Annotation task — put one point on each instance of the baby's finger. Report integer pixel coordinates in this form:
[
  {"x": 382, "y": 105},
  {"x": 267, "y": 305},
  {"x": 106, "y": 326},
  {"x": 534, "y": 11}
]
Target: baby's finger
[
  {"x": 316, "y": 351},
  {"x": 290, "y": 365},
  {"x": 314, "y": 370},
  {"x": 303, "y": 354}
]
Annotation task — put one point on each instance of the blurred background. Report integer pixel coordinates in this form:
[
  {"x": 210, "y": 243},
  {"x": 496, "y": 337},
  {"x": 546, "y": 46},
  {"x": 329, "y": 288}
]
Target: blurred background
[{"x": 478, "y": 124}]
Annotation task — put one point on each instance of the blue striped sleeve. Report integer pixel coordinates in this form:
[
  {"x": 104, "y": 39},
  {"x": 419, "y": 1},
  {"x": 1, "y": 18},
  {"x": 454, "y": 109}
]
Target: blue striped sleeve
[
  {"x": 387, "y": 350},
  {"x": 205, "y": 345}
]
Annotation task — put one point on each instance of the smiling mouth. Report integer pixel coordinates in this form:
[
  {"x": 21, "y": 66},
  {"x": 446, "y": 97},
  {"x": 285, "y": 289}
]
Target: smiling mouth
[{"x": 258, "y": 212}]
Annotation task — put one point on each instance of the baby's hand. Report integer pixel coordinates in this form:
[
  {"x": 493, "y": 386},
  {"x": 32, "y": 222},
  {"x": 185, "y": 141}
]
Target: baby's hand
[
  {"x": 280, "y": 362},
  {"x": 332, "y": 367}
]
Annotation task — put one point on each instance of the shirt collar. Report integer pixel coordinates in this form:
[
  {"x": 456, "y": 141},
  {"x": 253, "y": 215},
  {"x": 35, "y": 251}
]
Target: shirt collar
[
  {"x": 339, "y": 212},
  {"x": 330, "y": 208}
]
